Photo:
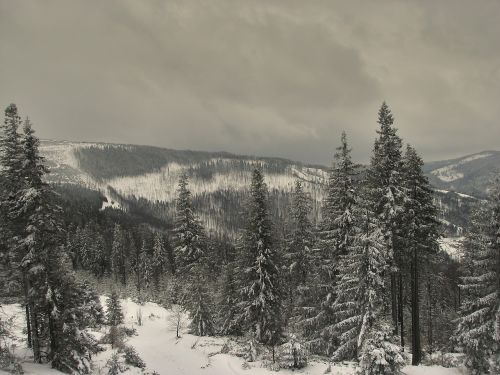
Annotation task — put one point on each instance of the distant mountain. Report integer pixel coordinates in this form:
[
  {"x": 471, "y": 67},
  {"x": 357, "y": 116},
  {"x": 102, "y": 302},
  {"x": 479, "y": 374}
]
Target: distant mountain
[
  {"x": 131, "y": 176},
  {"x": 471, "y": 174},
  {"x": 145, "y": 178}
]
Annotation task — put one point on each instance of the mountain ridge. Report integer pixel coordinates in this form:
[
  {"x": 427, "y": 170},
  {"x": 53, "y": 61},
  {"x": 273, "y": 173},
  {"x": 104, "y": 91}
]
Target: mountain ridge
[{"x": 147, "y": 176}]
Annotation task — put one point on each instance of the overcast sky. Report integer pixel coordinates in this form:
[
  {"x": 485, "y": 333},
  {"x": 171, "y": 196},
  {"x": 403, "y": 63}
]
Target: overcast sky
[{"x": 276, "y": 78}]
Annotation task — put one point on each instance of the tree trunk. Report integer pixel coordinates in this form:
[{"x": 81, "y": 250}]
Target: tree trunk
[
  {"x": 52, "y": 335},
  {"x": 28, "y": 326},
  {"x": 26, "y": 301},
  {"x": 35, "y": 338},
  {"x": 415, "y": 312},
  {"x": 429, "y": 317},
  {"x": 401, "y": 313},
  {"x": 394, "y": 303}
]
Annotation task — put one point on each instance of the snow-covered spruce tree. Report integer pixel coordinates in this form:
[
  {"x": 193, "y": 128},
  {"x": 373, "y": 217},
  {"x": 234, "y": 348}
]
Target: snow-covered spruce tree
[
  {"x": 114, "y": 314},
  {"x": 98, "y": 265},
  {"x": 55, "y": 304},
  {"x": 191, "y": 258},
  {"x": 143, "y": 267},
  {"x": 259, "y": 275},
  {"x": 119, "y": 255},
  {"x": 160, "y": 259},
  {"x": 420, "y": 234},
  {"x": 380, "y": 354},
  {"x": 10, "y": 183},
  {"x": 300, "y": 260},
  {"x": 360, "y": 322},
  {"x": 190, "y": 237},
  {"x": 75, "y": 346},
  {"x": 336, "y": 237},
  {"x": 301, "y": 239},
  {"x": 229, "y": 311},
  {"x": 93, "y": 314},
  {"x": 358, "y": 290},
  {"x": 114, "y": 317},
  {"x": 387, "y": 195},
  {"x": 478, "y": 331}
]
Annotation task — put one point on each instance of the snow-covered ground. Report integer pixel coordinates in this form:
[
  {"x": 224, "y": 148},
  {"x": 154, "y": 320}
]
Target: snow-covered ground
[{"x": 158, "y": 346}]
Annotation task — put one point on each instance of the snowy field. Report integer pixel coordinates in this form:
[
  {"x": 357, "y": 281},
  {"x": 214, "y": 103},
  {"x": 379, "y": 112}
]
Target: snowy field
[{"x": 158, "y": 346}]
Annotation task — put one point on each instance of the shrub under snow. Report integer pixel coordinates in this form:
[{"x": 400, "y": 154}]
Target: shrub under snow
[{"x": 379, "y": 356}]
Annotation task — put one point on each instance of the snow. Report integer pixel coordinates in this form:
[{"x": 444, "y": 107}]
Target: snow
[
  {"x": 450, "y": 173},
  {"x": 430, "y": 370},
  {"x": 158, "y": 346},
  {"x": 452, "y": 246},
  {"x": 110, "y": 202},
  {"x": 162, "y": 185}
]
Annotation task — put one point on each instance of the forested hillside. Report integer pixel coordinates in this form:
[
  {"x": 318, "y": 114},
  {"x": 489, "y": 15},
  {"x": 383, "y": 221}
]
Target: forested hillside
[{"x": 143, "y": 178}]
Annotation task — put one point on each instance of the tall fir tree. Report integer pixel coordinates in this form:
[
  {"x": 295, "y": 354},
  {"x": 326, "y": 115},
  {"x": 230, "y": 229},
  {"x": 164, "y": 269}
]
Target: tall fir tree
[
  {"x": 10, "y": 184},
  {"x": 357, "y": 306},
  {"x": 160, "y": 260},
  {"x": 114, "y": 317},
  {"x": 261, "y": 300},
  {"x": 301, "y": 239},
  {"x": 420, "y": 233},
  {"x": 145, "y": 267},
  {"x": 119, "y": 255},
  {"x": 192, "y": 262},
  {"x": 55, "y": 304},
  {"x": 229, "y": 311},
  {"x": 299, "y": 257},
  {"x": 336, "y": 237},
  {"x": 190, "y": 237},
  {"x": 387, "y": 196}
]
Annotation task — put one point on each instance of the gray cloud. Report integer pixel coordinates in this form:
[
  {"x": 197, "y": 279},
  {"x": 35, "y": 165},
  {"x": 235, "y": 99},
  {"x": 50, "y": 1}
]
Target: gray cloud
[{"x": 258, "y": 77}]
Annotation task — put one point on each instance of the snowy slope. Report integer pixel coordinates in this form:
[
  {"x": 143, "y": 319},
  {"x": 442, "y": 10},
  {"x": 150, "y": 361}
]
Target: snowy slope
[
  {"x": 451, "y": 172},
  {"x": 232, "y": 173},
  {"x": 158, "y": 346},
  {"x": 471, "y": 174}
]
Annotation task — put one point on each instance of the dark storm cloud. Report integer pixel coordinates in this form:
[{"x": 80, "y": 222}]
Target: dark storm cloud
[{"x": 260, "y": 77}]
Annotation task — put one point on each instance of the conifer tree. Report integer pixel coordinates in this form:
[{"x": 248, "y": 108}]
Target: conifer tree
[
  {"x": 229, "y": 311},
  {"x": 160, "y": 259},
  {"x": 10, "y": 151},
  {"x": 114, "y": 314},
  {"x": 301, "y": 239},
  {"x": 114, "y": 317},
  {"x": 10, "y": 184},
  {"x": 336, "y": 237},
  {"x": 259, "y": 268},
  {"x": 54, "y": 297},
  {"x": 145, "y": 267},
  {"x": 478, "y": 331},
  {"x": 119, "y": 255},
  {"x": 360, "y": 321},
  {"x": 190, "y": 250},
  {"x": 191, "y": 241},
  {"x": 300, "y": 258},
  {"x": 387, "y": 194},
  {"x": 420, "y": 233},
  {"x": 357, "y": 306}
]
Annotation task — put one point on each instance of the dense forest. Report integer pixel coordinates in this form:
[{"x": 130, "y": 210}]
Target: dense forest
[{"x": 359, "y": 278}]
